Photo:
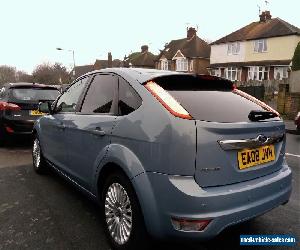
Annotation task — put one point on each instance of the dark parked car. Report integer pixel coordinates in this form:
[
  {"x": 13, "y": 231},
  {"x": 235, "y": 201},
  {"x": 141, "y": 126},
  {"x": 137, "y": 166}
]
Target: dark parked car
[
  {"x": 171, "y": 154},
  {"x": 19, "y": 107},
  {"x": 297, "y": 122}
]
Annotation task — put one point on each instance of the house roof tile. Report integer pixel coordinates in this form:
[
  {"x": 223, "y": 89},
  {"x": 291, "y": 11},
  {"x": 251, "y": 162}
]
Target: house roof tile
[
  {"x": 191, "y": 48},
  {"x": 271, "y": 28}
]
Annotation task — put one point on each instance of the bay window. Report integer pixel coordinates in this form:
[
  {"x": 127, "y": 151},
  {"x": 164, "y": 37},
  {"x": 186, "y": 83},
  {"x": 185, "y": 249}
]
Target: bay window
[
  {"x": 181, "y": 64},
  {"x": 258, "y": 73},
  {"x": 232, "y": 73},
  {"x": 280, "y": 73},
  {"x": 164, "y": 64}
]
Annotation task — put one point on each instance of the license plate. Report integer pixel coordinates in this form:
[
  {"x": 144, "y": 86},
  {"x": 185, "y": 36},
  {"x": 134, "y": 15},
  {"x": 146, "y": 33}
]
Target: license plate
[
  {"x": 36, "y": 112},
  {"x": 251, "y": 157}
]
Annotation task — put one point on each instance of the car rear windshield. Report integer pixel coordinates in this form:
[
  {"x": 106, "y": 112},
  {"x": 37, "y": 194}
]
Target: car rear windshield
[
  {"x": 34, "y": 94},
  {"x": 209, "y": 99}
]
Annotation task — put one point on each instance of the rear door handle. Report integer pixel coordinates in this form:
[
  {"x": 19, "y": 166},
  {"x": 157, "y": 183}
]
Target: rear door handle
[{"x": 98, "y": 131}]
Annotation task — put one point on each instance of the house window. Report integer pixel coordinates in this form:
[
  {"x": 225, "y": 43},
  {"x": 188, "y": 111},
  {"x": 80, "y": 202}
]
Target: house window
[
  {"x": 191, "y": 65},
  {"x": 164, "y": 65},
  {"x": 280, "y": 73},
  {"x": 260, "y": 46},
  {"x": 232, "y": 73},
  {"x": 215, "y": 72},
  {"x": 233, "y": 48},
  {"x": 181, "y": 64},
  {"x": 258, "y": 73}
]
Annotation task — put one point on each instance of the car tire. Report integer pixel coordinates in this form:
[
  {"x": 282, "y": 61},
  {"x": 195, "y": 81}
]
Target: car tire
[
  {"x": 39, "y": 163},
  {"x": 123, "y": 218}
]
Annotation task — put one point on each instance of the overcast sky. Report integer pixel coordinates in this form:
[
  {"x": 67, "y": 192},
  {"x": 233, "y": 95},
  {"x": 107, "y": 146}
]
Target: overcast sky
[{"x": 32, "y": 29}]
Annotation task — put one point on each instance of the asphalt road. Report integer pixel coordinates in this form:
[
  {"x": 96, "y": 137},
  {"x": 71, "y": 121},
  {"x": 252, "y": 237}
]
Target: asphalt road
[{"x": 44, "y": 212}]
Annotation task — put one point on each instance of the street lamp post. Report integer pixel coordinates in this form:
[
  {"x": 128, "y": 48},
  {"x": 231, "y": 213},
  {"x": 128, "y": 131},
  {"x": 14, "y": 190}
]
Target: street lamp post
[{"x": 73, "y": 54}]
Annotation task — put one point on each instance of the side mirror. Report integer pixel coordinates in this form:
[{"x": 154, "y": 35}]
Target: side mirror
[{"x": 45, "y": 107}]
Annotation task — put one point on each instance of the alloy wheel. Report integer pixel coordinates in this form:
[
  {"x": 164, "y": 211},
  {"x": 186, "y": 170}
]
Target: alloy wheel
[
  {"x": 36, "y": 153},
  {"x": 118, "y": 213}
]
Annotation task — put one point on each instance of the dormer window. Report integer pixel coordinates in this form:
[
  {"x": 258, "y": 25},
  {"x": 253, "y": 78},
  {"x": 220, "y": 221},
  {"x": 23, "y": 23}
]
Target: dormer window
[
  {"x": 182, "y": 64},
  {"x": 260, "y": 45},
  {"x": 233, "y": 48}
]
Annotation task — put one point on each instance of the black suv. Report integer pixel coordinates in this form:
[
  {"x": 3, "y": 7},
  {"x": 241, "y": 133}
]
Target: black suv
[{"x": 19, "y": 107}]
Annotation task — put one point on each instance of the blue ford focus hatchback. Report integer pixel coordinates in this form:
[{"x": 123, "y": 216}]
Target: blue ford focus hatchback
[{"x": 166, "y": 154}]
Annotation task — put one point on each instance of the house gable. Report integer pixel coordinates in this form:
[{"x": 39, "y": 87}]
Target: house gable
[{"x": 178, "y": 55}]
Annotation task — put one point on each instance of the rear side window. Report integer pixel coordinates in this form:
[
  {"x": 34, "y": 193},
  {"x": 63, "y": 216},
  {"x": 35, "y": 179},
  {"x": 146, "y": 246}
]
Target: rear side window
[
  {"x": 34, "y": 94},
  {"x": 209, "y": 99},
  {"x": 129, "y": 100},
  {"x": 100, "y": 96}
]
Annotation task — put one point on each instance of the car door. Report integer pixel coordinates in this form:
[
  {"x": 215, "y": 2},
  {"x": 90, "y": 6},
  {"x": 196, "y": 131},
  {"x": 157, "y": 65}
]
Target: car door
[
  {"x": 89, "y": 130},
  {"x": 54, "y": 126}
]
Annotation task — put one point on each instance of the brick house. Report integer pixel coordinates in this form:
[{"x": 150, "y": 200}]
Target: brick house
[
  {"x": 99, "y": 64},
  {"x": 262, "y": 50},
  {"x": 189, "y": 54},
  {"x": 142, "y": 59}
]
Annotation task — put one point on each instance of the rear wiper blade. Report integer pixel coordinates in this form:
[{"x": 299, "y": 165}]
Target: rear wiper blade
[{"x": 258, "y": 115}]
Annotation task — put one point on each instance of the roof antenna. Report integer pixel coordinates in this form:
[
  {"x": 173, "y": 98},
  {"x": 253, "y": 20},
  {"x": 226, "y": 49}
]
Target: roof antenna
[
  {"x": 258, "y": 9},
  {"x": 187, "y": 25},
  {"x": 267, "y": 2}
]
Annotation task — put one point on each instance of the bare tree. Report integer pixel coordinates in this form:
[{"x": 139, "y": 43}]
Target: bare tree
[
  {"x": 50, "y": 74},
  {"x": 22, "y": 76},
  {"x": 7, "y": 74}
]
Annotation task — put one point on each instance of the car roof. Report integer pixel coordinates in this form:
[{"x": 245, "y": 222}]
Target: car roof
[
  {"x": 140, "y": 74},
  {"x": 28, "y": 84}
]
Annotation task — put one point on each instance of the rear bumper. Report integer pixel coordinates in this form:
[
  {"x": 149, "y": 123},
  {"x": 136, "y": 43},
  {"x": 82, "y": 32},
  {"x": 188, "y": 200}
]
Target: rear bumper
[
  {"x": 162, "y": 197},
  {"x": 16, "y": 127}
]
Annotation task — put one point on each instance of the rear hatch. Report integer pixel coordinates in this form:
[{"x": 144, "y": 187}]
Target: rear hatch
[
  {"x": 238, "y": 137},
  {"x": 28, "y": 98}
]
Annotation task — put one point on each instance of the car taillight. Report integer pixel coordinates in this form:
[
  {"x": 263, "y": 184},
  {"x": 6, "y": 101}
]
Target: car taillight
[
  {"x": 189, "y": 225},
  {"x": 168, "y": 101},
  {"x": 9, "y": 106},
  {"x": 253, "y": 99}
]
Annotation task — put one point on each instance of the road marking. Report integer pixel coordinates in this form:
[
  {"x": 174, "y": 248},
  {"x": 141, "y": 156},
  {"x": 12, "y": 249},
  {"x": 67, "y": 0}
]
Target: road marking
[{"x": 288, "y": 154}]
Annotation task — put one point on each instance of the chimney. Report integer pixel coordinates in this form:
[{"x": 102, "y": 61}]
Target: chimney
[
  {"x": 264, "y": 16},
  {"x": 144, "y": 48},
  {"x": 109, "y": 60},
  {"x": 190, "y": 33}
]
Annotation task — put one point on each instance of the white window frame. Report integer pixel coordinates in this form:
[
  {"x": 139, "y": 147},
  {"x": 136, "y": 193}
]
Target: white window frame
[
  {"x": 260, "y": 46},
  {"x": 258, "y": 73},
  {"x": 164, "y": 65},
  {"x": 233, "y": 73},
  {"x": 233, "y": 48},
  {"x": 282, "y": 71},
  {"x": 182, "y": 64},
  {"x": 191, "y": 65},
  {"x": 215, "y": 72}
]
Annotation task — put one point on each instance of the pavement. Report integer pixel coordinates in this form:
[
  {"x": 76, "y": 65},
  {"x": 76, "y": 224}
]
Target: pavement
[
  {"x": 45, "y": 212},
  {"x": 290, "y": 126}
]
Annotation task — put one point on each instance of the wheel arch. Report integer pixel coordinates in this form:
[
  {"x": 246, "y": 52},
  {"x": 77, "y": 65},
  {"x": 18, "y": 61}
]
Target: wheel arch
[{"x": 118, "y": 158}]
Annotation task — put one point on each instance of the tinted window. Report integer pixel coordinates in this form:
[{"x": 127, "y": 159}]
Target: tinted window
[
  {"x": 100, "y": 95},
  {"x": 34, "y": 94},
  {"x": 209, "y": 99},
  {"x": 129, "y": 100},
  {"x": 68, "y": 101}
]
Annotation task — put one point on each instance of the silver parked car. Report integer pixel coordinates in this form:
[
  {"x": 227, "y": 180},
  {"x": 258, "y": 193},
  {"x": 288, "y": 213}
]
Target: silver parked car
[{"x": 166, "y": 154}]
